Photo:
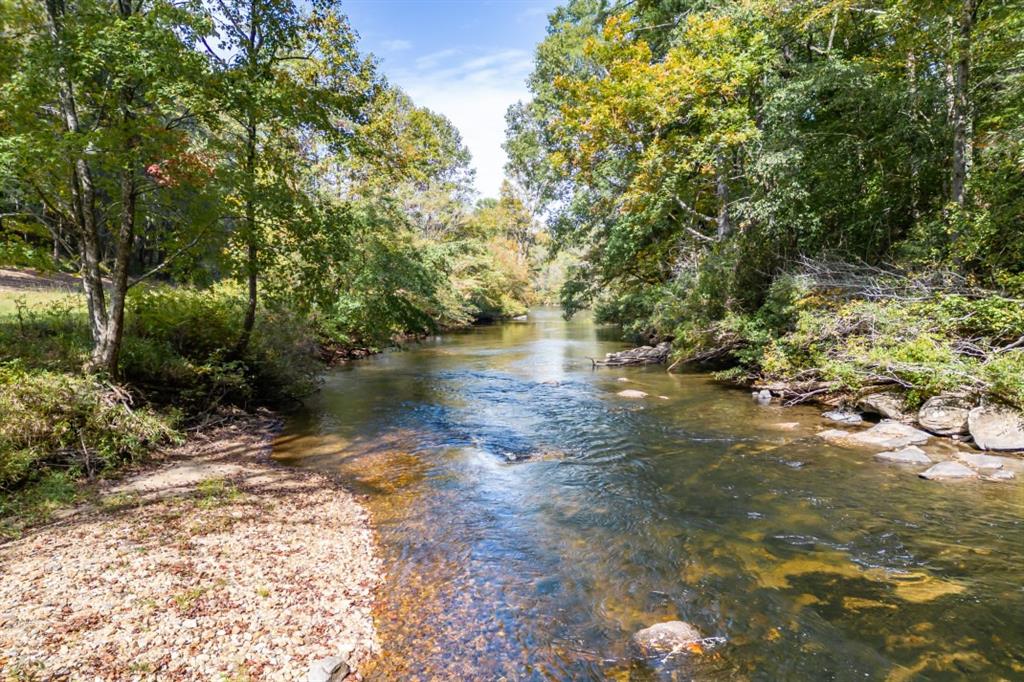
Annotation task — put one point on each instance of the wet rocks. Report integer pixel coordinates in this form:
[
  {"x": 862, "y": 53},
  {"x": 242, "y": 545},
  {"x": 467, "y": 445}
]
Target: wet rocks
[
  {"x": 908, "y": 455},
  {"x": 980, "y": 461},
  {"x": 996, "y": 428},
  {"x": 885, "y": 405},
  {"x": 763, "y": 397},
  {"x": 944, "y": 415},
  {"x": 843, "y": 417},
  {"x": 674, "y": 636},
  {"x": 644, "y": 355},
  {"x": 631, "y": 393},
  {"x": 885, "y": 434},
  {"x": 333, "y": 669},
  {"x": 949, "y": 470}
]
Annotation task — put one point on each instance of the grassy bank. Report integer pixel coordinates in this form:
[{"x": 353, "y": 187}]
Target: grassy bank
[{"x": 62, "y": 428}]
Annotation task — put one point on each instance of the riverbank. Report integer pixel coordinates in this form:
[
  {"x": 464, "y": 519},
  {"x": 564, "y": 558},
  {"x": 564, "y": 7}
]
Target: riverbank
[{"x": 210, "y": 562}]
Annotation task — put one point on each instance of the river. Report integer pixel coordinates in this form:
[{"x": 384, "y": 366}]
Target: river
[{"x": 799, "y": 560}]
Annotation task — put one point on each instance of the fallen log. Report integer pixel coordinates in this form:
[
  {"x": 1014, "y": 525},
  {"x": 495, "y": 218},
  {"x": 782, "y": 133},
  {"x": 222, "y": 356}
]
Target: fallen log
[{"x": 644, "y": 355}]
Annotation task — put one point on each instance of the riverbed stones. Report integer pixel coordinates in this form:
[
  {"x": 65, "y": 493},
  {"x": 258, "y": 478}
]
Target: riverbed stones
[
  {"x": 999, "y": 475},
  {"x": 908, "y": 455},
  {"x": 673, "y": 636},
  {"x": 994, "y": 427},
  {"x": 885, "y": 405},
  {"x": 632, "y": 393},
  {"x": 944, "y": 415},
  {"x": 980, "y": 461},
  {"x": 843, "y": 417},
  {"x": 332, "y": 669},
  {"x": 886, "y": 434},
  {"x": 948, "y": 471}
]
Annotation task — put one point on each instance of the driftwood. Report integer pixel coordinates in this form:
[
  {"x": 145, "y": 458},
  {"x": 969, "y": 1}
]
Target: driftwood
[{"x": 644, "y": 355}]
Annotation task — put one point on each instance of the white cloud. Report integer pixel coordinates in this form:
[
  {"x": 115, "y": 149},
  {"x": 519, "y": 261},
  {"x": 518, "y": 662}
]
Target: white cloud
[
  {"x": 397, "y": 45},
  {"x": 474, "y": 94}
]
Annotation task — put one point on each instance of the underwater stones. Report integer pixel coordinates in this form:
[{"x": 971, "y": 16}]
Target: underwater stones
[
  {"x": 948, "y": 471},
  {"x": 843, "y": 417},
  {"x": 908, "y": 455},
  {"x": 944, "y": 415},
  {"x": 980, "y": 461},
  {"x": 886, "y": 405},
  {"x": 762, "y": 397},
  {"x": 996, "y": 428},
  {"x": 673, "y": 636},
  {"x": 632, "y": 393},
  {"x": 886, "y": 434},
  {"x": 999, "y": 475}
]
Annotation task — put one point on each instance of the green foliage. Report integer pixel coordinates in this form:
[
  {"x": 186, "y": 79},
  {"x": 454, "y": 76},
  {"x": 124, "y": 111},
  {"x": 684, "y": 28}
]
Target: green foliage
[{"x": 52, "y": 419}]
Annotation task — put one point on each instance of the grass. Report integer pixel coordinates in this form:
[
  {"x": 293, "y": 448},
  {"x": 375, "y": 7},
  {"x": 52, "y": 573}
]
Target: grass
[{"x": 36, "y": 300}]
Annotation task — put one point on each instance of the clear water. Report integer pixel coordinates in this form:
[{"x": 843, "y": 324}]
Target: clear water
[{"x": 809, "y": 561}]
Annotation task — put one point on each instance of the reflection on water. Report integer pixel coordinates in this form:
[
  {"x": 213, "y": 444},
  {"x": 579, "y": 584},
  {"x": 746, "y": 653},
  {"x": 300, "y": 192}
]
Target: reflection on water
[{"x": 811, "y": 561}]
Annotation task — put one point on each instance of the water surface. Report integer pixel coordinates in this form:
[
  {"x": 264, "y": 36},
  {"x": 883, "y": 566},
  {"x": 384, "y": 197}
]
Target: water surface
[{"x": 531, "y": 520}]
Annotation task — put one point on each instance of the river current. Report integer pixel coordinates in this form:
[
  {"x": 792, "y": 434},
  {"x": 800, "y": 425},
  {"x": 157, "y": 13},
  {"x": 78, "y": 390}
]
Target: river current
[{"x": 531, "y": 520}]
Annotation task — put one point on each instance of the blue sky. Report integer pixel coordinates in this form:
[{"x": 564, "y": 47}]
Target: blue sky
[{"x": 467, "y": 60}]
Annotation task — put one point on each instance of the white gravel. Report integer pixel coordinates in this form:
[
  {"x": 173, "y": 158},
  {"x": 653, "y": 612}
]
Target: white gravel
[{"x": 251, "y": 573}]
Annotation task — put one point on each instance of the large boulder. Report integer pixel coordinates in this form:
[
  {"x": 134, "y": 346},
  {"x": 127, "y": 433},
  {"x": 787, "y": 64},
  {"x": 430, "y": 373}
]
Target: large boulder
[
  {"x": 672, "y": 636},
  {"x": 886, "y": 434},
  {"x": 996, "y": 428},
  {"x": 886, "y": 405},
  {"x": 908, "y": 455},
  {"x": 944, "y": 415},
  {"x": 948, "y": 471}
]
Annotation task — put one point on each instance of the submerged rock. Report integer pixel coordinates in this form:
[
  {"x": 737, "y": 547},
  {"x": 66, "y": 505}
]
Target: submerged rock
[
  {"x": 944, "y": 415},
  {"x": 843, "y": 417},
  {"x": 999, "y": 475},
  {"x": 980, "y": 461},
  {"x": 672, "y": 636},
  {"x": 763, "y": 397},
  {"x": 948, "y": 471},
  {"x": 333, "y": 669},
  {"x": 886, "y": 434},
  {"x": 908, "y": 455},
  {"x": 632, "y": 393},
  {"x": 996, "y": 428},
  {"x": 885, "y": 404}
]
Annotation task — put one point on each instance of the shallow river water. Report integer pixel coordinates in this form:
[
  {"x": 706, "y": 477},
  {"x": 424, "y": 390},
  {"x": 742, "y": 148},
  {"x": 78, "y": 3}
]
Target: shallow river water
[{"x": 798, "y": 560}]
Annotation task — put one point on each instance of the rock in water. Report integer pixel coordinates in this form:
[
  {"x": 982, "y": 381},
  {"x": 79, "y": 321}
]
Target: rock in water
[
  {"x": 843, "y": 417},
  {"x": 946, "y": 471},
  {"x": 763, "y": 397},
  {"x": 632, "y": 393},
  {"x": 996, "y": 428},
  {"x": 886, "y": 434},
  {"x": 644, "y": 355},
  {"x": 884, "y": 404},
  {"x": 980, "y": 461},
  {"x": 944, "y": 415},
  {"x": 333, "y": 669},
  {"x": 908, "y": 455},
  {"x": 672, "y": 636}
]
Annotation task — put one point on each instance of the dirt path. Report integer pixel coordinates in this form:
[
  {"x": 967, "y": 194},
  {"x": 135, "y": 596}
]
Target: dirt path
[{"x": 216, "y": 564}]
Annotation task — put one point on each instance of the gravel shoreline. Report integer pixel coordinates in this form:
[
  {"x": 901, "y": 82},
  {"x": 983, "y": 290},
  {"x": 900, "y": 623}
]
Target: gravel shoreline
[{"x": 215, "y": 564}]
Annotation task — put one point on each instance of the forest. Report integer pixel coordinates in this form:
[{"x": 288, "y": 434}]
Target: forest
[
  {"x": 829, "y": 192},
  {"x": 241, "y": 191}
]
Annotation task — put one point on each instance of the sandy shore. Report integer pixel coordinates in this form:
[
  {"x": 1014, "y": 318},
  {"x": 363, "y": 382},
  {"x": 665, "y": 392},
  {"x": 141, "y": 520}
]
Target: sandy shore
[{"x": 214, "y": 563}]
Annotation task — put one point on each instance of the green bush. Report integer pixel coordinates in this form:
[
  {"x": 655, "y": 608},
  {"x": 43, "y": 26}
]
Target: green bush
[{"x": 55, "y": 419}]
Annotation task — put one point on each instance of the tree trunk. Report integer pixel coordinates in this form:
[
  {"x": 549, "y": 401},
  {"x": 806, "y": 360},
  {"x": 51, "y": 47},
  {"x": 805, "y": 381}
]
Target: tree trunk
[
  {"x": 963, "y": 124},
  {"x": 722, "y": 193},
  {"x": 251, "y": 266},
  {"x": 107, "y": 353},
  {"x": 82, "y": 188}
]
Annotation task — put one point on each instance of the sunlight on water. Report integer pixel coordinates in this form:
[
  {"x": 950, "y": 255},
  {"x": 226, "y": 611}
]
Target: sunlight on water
[{"x": 531, "y": 520}]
